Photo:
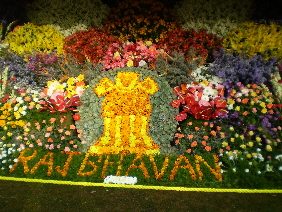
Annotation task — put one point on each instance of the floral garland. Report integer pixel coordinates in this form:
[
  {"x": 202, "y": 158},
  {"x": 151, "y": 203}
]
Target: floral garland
[{"x": 161, "y": 125}]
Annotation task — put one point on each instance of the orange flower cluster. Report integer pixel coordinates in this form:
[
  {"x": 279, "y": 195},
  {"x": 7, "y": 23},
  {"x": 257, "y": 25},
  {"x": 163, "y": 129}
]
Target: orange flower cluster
[
  {"x": 66, "y": 167},
  {"x": 215, "y": 172},
  {"x": 187, "y": 166}
]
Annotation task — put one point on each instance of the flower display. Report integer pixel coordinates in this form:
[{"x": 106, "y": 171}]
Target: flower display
[
  {"x": 19, "y": 75},
  {"x": 15, "y": 109},
  {"x": 126, "y": 108},
  {"x": 140, "y": 54},
  {"x": 43, "y": 66},
  {"x": 63, "y": 95},
  {"x": 138, "y": 95}
]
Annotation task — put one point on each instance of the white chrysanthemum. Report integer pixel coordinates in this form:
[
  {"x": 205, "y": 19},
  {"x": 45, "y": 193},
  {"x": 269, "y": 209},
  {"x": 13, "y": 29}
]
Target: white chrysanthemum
[
  {"x": 20, "y": 100},
  {"x": 205, "y": 98},
  {"x": 210, "y": 92},
  {"x": 245, "y": 90}
]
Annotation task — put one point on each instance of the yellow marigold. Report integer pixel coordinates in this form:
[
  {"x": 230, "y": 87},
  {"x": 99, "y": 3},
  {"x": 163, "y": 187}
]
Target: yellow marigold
[{"x": 2, "y": 123}]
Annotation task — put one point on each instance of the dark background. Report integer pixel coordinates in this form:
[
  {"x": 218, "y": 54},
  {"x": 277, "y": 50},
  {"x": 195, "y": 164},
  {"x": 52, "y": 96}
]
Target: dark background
[{"x": 11, "y": 10}]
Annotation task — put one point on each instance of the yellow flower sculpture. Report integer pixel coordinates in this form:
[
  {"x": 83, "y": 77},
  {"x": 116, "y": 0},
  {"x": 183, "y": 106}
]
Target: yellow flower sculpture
[{"x": 126, "y": 111}]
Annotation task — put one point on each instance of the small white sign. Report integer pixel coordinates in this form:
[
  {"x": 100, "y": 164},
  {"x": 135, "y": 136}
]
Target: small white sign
[{"x": 120, "y": 180}]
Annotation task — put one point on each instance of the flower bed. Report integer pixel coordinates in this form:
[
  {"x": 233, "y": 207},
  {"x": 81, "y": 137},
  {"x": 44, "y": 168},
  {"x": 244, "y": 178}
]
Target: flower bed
[{"x": 176, "y": 110}]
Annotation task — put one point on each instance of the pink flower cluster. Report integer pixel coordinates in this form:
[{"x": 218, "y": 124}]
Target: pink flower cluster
[{"x": 130, "y": 54}]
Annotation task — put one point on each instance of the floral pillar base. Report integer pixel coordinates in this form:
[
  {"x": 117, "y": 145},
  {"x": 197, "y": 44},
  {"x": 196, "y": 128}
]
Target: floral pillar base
[{"x": 126, "y": 111}]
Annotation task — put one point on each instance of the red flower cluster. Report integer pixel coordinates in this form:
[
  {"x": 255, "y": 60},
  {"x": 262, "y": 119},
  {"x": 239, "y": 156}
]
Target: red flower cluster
[
  {"x": 190, "y": 102},
  {"x": 89, "y": 45},
  {"x": 191, "y": 43}
]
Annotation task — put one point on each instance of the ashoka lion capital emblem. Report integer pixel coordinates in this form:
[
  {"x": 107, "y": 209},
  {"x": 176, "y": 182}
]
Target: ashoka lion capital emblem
[{"x": 126, "y": 111}]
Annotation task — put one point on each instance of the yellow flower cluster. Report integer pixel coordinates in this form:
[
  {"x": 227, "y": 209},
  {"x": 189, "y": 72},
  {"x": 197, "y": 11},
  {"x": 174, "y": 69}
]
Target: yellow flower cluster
[
  {"x": 7, "y": 116},
  {"x": 30, "y": 38},
  {"x": 126, "y": 110},
  {"x": 73, "y": 86},
  {"x": 253, "y": 38}
]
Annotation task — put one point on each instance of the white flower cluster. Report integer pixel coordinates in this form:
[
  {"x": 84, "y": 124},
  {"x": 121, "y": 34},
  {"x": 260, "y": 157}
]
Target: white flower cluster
[
  {"x": 202, "y": 73},
  {"x": 5, "y": 151},
  {"x": 217, "y": 16},
  {"x": 120, "y": 180},
  {"x": 71, "y": 30}
]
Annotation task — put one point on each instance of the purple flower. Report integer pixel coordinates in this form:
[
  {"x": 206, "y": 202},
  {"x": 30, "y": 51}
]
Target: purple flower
[{"x": 234, "y": 69}]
